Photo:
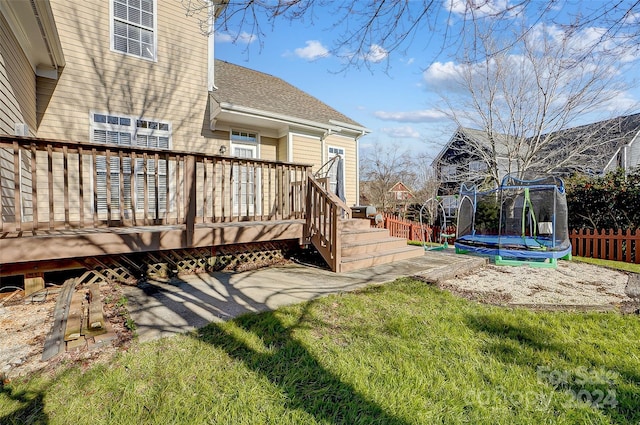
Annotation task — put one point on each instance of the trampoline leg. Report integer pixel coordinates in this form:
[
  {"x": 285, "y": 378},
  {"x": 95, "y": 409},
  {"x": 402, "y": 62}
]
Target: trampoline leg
[{"x": 567, "y": 257}]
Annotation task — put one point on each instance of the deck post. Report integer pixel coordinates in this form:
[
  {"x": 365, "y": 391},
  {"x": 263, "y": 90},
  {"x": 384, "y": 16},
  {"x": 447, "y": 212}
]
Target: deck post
[{"x": 190, "y": 201}]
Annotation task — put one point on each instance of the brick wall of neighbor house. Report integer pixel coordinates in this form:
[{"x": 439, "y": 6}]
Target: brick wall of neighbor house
[{"x": 173, "y": 88}]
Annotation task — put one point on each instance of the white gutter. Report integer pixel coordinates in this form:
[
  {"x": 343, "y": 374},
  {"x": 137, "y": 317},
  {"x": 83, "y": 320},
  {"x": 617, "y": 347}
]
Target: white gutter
[{"x": 273, "y": 116}]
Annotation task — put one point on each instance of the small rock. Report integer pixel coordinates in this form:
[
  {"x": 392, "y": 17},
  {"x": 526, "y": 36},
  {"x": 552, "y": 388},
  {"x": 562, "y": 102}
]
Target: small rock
[{"x": 633, "y": 286}]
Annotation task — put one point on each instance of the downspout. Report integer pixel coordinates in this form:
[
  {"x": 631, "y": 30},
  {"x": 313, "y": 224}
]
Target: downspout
[{"x": 211, "y": 18}]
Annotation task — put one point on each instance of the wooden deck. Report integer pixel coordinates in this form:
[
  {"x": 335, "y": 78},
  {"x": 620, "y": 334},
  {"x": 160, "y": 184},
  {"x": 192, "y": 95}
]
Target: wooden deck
[
  {"x": 22, "y": 253},
  {"x": 62, "y": 200}
]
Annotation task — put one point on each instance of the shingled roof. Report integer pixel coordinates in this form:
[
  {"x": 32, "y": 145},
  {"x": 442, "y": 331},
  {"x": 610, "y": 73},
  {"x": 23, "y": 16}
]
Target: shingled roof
[{"x": 240, "y": 86}]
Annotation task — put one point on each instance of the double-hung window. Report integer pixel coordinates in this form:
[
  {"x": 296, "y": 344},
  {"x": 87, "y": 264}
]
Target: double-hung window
[
  {"x": 133, "y": 27},
  {"x": 130, "y": 131}
]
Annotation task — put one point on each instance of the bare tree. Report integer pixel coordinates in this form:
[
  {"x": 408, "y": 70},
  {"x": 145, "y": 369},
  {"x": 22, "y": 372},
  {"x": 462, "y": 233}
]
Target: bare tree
[
  {"x": 520, "y": 99},
  {"x": 383, "y": 166},
  {"x": 367, "y": 32}
]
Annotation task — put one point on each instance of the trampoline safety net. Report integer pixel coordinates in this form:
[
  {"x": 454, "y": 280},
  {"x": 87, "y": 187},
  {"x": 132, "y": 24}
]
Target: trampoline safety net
[{"x": 522, "y": 219}]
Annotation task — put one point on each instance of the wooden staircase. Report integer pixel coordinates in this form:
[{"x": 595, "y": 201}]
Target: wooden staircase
[
  {"x": 345, "y": 243},
  {"x": 364, "y": 246}
]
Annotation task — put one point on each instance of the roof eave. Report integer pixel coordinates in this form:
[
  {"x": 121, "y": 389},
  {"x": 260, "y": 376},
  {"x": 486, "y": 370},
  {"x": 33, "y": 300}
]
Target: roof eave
[{"x": 332, "y": 126}]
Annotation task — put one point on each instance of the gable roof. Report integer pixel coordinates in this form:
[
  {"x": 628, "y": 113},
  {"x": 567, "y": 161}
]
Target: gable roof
[
  {"x": 247, "y": 90},
  {"x": 479, "y": 137},
  {"x": 607, "y": 137},
  {"x": 399, "y": 187}
]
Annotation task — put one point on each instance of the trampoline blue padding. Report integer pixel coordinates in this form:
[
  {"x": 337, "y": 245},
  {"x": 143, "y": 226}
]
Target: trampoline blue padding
[{"x": 512, "y": 246}]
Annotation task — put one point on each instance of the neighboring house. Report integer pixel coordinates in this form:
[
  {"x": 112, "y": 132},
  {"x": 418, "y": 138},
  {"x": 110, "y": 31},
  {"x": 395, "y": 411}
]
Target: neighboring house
[
  {"x": 595, "y": 148},
  {"x": 400, "y": 192},
  {"x": 120, "y": 133}
]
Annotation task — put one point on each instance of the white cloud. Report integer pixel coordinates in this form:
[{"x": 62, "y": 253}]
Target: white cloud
[
  {"x": 426, "y": 115},
  {"x": 404, "y": 132},
  {"x": 481, "y": 8},
  {"x": 376, "y": 53},
  {"x": 313, "y": 50},
  {"x": 243, "y": 37}
]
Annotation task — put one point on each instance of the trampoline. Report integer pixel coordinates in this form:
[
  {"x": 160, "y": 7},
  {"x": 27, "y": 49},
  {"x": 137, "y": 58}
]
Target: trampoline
[{"x": 520, "y": 222}]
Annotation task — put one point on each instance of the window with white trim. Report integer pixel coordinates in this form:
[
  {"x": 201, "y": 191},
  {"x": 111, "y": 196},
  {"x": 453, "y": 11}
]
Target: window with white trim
[
  {"x": 133, "y": 27},
  {"x": 448, "y": 173},
  {"x": 243, "y": 137},
  {"x": 127, "y": 131}
]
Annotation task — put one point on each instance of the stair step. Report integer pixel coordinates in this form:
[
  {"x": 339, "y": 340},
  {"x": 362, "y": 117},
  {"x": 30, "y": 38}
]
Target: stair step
[
  {"x": 375, "y": 245},
  {"x": 355, "y": 224},
  {"x": 354, "y": 236},
  {"x": 373, "y": 259}
]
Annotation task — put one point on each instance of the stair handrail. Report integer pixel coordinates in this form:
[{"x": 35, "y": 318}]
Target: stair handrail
[{"x": 324, "y": 210}]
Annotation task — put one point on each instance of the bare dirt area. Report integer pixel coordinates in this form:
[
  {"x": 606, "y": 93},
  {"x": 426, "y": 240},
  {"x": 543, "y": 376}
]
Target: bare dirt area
[
  {"x": 573, "y": 285},
  {"x": 25, "y": 323}
]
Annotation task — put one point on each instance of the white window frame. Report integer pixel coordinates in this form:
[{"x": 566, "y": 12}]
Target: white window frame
[
  {"x": 154, "y": 128},
  {"x": 245, "y": 139},
  {"x": 154, "y": 29}
]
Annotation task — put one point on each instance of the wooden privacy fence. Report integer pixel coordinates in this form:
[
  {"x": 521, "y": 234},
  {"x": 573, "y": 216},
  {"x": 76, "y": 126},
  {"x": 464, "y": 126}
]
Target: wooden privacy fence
[
  {"x": 413, "y": 231},
  {"x": 606, "y": 244},
  {"x": 49, "y": 184}
]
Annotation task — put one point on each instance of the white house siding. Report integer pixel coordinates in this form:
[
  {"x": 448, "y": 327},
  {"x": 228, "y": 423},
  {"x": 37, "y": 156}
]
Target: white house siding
[{"x": 633, "y": 153}]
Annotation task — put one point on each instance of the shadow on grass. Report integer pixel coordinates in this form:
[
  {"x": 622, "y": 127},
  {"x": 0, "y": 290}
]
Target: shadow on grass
[
  {"x": 601, "y": 379},
  {"x": 305, "y": 383},
  {"x": 31, "y": 410}
]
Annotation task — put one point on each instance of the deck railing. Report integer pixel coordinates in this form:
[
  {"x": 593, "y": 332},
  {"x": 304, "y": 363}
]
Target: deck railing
[
  {"x": 324, "y": 211},
  {"x": 51, "y": 185}
]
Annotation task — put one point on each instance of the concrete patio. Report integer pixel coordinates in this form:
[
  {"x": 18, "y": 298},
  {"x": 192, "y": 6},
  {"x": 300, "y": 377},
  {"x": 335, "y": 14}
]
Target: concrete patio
[{"x": 162, "y": 309}]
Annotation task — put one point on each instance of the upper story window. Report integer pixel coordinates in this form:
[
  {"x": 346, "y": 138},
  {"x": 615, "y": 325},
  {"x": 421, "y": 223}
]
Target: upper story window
[
  {"x": 477, "y": 167},
  {"x": 448, "y": 173},
  {"x": 133, "y": 27}
]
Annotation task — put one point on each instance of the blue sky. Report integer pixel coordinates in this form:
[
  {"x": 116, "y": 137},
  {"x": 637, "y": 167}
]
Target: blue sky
[{"x": 395, "y": 99}]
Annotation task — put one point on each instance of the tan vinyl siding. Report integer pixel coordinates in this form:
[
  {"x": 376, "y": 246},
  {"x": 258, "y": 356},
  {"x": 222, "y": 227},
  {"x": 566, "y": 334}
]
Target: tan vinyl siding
[
  {"x": 283, "y": 147},
  {"x": 268, "y": 148},
  {"x": 17, "y": 105},
  {"x": 307, "y": 150},
  {"x": 17, "y": 84},
  {"x": 173, "y": 88}
]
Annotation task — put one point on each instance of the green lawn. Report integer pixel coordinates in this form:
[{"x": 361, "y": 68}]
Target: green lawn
[
  {"x": 618, "y": 265},
  {"x": 403, "y": 353}
]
